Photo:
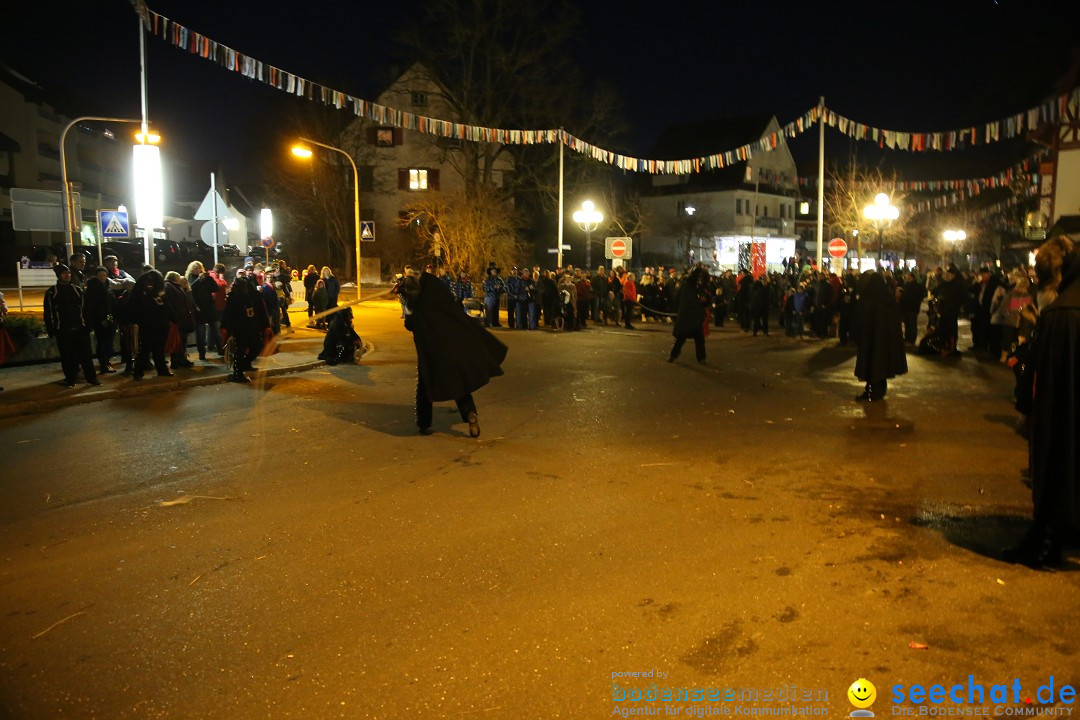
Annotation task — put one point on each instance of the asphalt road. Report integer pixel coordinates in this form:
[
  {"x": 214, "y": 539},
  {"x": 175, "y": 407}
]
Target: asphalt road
[{"x": 296, "y": 550}]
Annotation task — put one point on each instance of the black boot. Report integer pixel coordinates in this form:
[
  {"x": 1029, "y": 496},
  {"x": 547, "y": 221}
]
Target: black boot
[{"x": 866, "y": 394}]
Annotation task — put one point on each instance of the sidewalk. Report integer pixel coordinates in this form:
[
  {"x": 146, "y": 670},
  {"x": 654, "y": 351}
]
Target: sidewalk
[{"x": 37, "y": 388}]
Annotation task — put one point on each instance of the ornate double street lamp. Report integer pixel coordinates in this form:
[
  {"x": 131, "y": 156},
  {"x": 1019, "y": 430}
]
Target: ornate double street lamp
[
  {"x": 305, "y": 153},
  {"x": 881, "y": 213},
  {"x": 588, "y": 218}
]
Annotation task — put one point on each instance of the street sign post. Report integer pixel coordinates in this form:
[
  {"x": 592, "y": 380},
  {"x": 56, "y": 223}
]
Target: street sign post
[
  {"x": 41, "y": 209},
  {"x": 113, "y": 224},
  {"x": 367, "y": 230},
  {"x": 618, "y": 248},
  {"x": 267, "y": 243}
]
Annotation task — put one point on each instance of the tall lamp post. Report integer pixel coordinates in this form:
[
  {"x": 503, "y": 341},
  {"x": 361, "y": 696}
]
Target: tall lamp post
[
  {"x": 305, "y": 153},
  {"x": 69, "y": 209},
  {"x": 588, "y": 219},
  {"x": 881, "y": 213},
  {"x": 953, "y": 237}
]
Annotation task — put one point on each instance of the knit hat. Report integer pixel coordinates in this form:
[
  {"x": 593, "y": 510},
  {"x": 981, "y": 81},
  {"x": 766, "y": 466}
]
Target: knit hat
[{"x": 60, "y": 269}]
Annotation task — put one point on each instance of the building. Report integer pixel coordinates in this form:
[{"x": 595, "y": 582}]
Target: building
[
  {"x": 98, "y": 162},
  {"x": 401, "y": 165},
  {"x": 716, "y": 217}
]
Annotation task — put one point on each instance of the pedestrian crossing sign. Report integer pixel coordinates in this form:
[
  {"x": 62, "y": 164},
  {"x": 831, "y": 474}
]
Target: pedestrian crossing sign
[
  {"x": 114, "y": 224},
  {"x": 367, "y": 230}
]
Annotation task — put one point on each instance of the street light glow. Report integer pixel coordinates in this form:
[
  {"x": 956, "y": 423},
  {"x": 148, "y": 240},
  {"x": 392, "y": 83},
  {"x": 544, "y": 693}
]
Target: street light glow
[
  {"x": 266, "y": 223},
  {"x": 881, "y": 210},
  {"x": 149, "y": 137},
  {"x": 302, "y": 152},
  {"x": 690, "y": 209},
  {"x": 955, "y": 235},
  {"x": 149, "y": 202}
]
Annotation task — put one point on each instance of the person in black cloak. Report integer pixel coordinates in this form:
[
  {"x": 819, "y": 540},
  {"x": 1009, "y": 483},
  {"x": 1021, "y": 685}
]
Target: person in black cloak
[
  {"x": 341, "y": 341},
  {"x": 880, "y": 337},
  {"x": 246, "y": 322},
  {"x": 1052, "y": 404},
  {"x": 950, "y": 294},
  {"x": 690, "y": 303},
  {"x": 152, "y": 316},
  {"x": 454, "y": 355}
]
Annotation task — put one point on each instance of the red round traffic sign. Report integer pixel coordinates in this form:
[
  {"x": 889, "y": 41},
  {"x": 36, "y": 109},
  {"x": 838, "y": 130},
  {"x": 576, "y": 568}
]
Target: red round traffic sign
[
  {"x": 837, "y": 247},
  {"x": 618, "y": 248},
  {"x": 267, "y": 242}
]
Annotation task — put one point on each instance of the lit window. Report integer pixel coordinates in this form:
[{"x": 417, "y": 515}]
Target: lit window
[{"x": 417, "y": 179}]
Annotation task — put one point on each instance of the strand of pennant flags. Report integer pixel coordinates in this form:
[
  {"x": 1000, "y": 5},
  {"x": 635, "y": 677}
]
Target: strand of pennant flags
[
  {"x": 195, "y": 43},
  {"x": 1024, "y": 170}
]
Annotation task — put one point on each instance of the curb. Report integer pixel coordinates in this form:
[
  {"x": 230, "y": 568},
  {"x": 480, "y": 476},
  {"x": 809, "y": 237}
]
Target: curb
[{"x": 30, "y": 407}]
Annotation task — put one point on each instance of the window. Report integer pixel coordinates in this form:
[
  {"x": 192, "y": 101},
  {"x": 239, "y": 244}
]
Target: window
[
  {"x": 680, "y": 207},
  {"x": 418, "y": 179},
  {"x": 384, "y": 136},
  {"x": 765, "y": 211},
  {"x": 738, "y": 206},
  {"x": 419, "y": 99},
  {"x": 782, "y": 207}
]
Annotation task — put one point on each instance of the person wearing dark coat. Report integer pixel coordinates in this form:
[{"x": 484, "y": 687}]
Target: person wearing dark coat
[
  {"x": 743, "y": 297},
  {"x": 101, "y": 308},
  {"x": 951, "y": 295},
  {"x": 151, "y": 317},
  {"x": 911, "y": 297},
  {"x": 207, "y": 317},
  {"x": 341, "y": 341},
  {"x": 182, "y": 314},
  {"x": 246, "y": 322},
  {"x": 333, "y": 287},
  {"x": 759, "y": 305},
  {"x": 66, "y": 320},
  {"x": 1052, "y": 404},
  {"x": 455, "y": 356},
  {"x": 881, "y": 341},
  {"x": 690, "y": 303}
]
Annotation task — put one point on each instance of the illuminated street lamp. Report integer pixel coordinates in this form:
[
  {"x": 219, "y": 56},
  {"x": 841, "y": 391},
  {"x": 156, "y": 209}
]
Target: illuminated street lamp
[
  {"x": 69, "y": 205},
  {"x": 881, "y": 213},
  {"x": 305, "y": 153},
  {"x": 953, "y": 237},
  {"x": 149, "y": 190},
  {"x": 588, "y": 219}
]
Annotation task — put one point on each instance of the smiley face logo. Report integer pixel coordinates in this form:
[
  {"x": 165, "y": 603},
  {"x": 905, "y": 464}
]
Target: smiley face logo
[{"x": 862, "y": 693}]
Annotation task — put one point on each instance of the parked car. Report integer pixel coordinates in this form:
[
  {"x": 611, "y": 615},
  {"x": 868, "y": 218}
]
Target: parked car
[
  {"x": 229, "y": 250},
  {"x": 128, "y": 252}
]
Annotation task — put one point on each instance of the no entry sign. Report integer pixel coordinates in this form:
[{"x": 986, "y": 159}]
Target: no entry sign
[
  {"x": 837, "y": 248},
  {"x": 618, "y": 248}
]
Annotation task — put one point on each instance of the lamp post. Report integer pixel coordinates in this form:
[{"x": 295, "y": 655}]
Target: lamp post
[
  {"x": 953, "y": 237},
  {"x": 68, "y": 205},
  {"x": 588, "y": 219},
  {"x": 305, "y": 153},
  {"x": 881, "y": 213}
]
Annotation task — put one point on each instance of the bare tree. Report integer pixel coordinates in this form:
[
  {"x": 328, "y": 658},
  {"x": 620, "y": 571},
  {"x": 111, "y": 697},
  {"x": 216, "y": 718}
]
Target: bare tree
[
  {"x": 469, "y": 230},
  {"x": 848, "y": 192},
  {"x": 314, "y": 199}
]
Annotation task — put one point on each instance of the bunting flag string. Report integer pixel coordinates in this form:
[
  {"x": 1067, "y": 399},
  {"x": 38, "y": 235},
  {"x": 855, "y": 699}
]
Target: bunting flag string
[
  {"x": 1025, "y": 171},
  {"x": 198, "y": 44}
]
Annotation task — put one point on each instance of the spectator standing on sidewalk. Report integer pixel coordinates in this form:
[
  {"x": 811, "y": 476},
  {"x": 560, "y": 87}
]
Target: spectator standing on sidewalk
[
  {"x": 151, "y": 317},
  {"x": 101, "y": 306},
  {"x": 629, "y": 299},
  {"x": 246, "y": 321},
  {"x": 333, "y": 287},
  {"x": 66, "y": 321},
  {"x": 182, "y": 315},
  {"x": 311, "y": 276}
]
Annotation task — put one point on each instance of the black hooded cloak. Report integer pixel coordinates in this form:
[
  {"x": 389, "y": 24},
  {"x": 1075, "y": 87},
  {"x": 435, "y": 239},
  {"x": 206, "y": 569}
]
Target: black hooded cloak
[
  {"x": 1055, "y": 405},
  {"x": 455, "y": 356},
  {"x": 881, "y": 338}
]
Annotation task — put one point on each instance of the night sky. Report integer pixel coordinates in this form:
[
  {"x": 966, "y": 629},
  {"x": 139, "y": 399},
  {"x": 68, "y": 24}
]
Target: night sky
[{"x": 904, "y": 66}]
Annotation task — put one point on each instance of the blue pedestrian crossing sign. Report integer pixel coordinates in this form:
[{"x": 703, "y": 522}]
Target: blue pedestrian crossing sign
[
  {"x": 367, "y": 230},
  {"x": 114, "y": 224}
]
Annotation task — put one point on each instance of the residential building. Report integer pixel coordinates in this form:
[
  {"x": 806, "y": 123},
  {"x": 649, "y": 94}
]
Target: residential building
[
  {"x": 400, "y": 166},
  {"x": 715, "y": 217}
]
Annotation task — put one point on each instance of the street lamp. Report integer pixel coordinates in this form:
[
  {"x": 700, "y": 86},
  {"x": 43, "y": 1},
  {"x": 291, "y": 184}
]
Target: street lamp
[
  {"x": 953, "y": 237},
  {"x": 588, "y": 219},
  {"x": 881, "y": 213},
  {"x": 305, "y": 153},
  {"x": 149, "y": 190},
  {"x": 69, "y": 209}
]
